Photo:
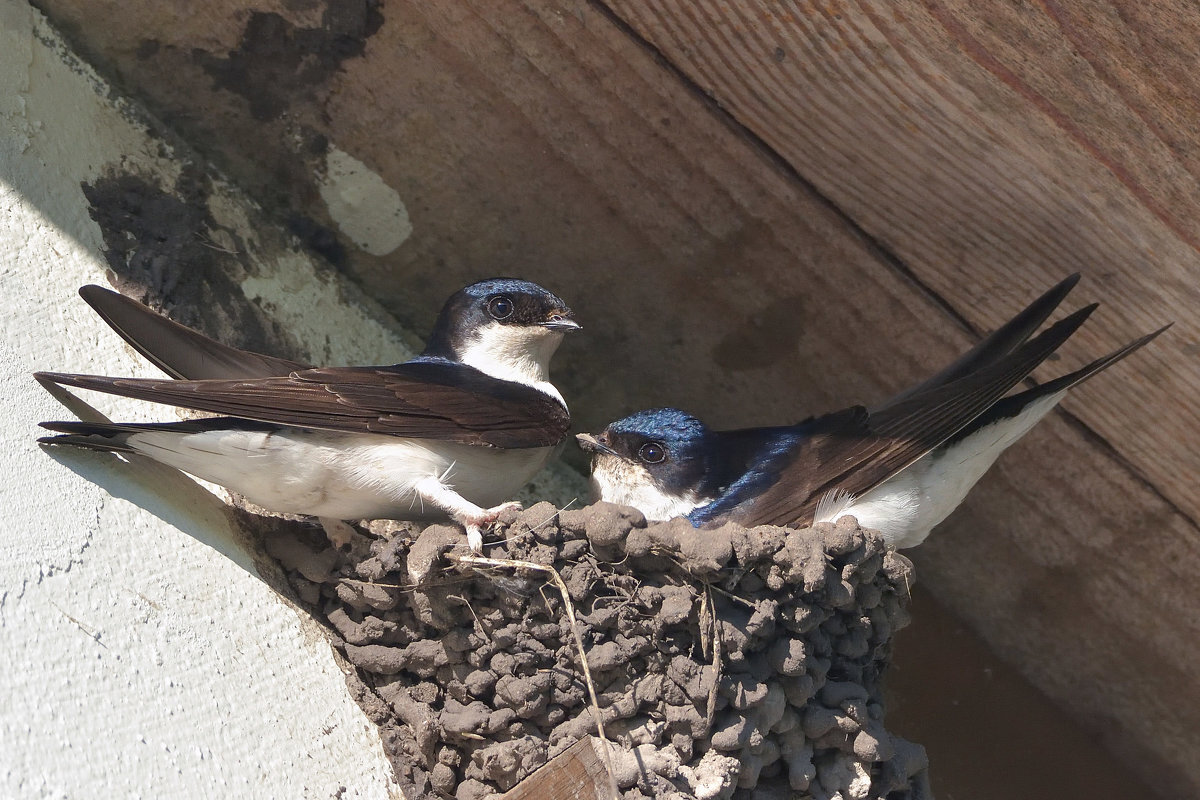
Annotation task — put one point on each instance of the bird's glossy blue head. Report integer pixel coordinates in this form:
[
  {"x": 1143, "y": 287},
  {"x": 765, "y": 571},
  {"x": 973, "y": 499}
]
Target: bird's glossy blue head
[
  {"x": 658, "y": 461},
  {"x": 678, "y": 432},
  {"x": 502, "y": 325}
]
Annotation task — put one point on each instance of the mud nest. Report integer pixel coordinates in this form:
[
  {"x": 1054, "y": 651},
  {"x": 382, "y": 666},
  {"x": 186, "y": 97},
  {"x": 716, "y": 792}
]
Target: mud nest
[{"x": 727, "y": 663}]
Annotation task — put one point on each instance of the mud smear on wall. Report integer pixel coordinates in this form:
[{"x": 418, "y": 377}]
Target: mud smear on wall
[
  {"x": 277, "y": 61},
  {"x": 162, "y": 242},
  {"x": 278, "y": 65},
  {"x": 271, "y": 89},
  {"x": 770, "y": 336}
]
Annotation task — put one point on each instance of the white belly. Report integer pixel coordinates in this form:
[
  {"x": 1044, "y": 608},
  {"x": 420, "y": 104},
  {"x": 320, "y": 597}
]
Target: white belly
[
  {"x": 906, "y": 506},
  {"x": 340, "y": 475}
]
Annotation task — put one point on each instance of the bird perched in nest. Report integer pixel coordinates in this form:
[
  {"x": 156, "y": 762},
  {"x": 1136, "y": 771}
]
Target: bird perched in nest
[
  {"x": 455, "y": 432},
  {"x": 900, "y": 468}
]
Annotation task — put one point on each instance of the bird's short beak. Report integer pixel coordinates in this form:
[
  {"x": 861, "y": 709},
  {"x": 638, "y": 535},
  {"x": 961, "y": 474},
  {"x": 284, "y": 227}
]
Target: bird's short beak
[
  {"x": 561, "y": 321},
  {"x": 590, "y": 444}
]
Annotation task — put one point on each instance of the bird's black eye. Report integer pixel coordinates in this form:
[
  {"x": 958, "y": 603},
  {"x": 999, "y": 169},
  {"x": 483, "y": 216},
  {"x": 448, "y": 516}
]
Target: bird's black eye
[
  {"x": 652, "y": 453},
  {"x": 500, "y": 307}
]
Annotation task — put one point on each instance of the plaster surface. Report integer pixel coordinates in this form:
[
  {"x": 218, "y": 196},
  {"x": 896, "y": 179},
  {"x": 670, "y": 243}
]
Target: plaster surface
[
  {"x": 365, "y": 208},
  {"x": 145, "y": 655}
]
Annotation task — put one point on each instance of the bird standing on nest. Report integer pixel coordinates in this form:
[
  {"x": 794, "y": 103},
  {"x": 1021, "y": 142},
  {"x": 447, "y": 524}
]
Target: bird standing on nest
[{"x": 455, "y": 432}]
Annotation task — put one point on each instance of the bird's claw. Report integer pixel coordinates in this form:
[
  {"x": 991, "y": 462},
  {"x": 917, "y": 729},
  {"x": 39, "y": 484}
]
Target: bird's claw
[
  {"x": 476, "y": 523},
  {"x": 341, "y": 534}
]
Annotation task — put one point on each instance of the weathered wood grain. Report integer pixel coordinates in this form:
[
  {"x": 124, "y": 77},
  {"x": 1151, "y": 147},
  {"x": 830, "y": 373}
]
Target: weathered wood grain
[
  {"x": 577, "y": 773},
  {"x": 994, "y": 148}
]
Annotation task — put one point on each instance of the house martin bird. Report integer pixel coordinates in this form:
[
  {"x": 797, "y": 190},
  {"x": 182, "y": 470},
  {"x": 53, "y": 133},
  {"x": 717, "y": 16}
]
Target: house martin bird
[
  {"x": 899, "y": 468},
  {"x": 454, "y": 432}
]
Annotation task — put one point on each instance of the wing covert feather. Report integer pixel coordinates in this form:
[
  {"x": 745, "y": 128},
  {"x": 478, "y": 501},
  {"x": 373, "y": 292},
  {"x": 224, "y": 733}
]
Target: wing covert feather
[{"x": 427, "y": 400}]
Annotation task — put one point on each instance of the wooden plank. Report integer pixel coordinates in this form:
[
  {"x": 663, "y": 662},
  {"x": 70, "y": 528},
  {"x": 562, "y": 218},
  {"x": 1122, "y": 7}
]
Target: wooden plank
[
  {"x": 994, "y": 148},
  {"x": 576, "y": 773}
]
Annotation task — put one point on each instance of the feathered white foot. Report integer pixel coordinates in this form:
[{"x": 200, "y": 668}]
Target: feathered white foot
[
  {"x": 340, "y": 533},
  {"x": 475, "y": 523}
]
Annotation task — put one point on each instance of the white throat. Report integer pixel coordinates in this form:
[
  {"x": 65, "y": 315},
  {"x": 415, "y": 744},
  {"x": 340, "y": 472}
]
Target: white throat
[
  {"x": 514, "y": 353},
  {"x": 625, "y": 483}
]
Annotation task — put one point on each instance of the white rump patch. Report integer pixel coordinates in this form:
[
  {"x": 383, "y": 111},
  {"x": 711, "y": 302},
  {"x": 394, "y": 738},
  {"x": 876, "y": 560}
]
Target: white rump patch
[{"x": 833, "y": 505}]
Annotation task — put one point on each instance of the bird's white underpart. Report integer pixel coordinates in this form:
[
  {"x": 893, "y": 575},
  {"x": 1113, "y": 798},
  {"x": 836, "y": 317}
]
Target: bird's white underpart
[
  {"x": 905, "y": 507},
  {"x": 519, "y": 353},
  {"x": 351, "y": 475}
]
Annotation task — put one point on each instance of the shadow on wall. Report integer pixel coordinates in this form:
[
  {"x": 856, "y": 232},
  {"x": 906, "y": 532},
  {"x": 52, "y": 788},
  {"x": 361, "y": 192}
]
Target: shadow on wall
[{"x": 945, "y": 682}]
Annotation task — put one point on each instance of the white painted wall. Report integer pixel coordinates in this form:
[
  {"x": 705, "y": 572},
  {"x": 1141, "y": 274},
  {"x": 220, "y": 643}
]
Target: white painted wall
[{"x": 143, "y": 655}]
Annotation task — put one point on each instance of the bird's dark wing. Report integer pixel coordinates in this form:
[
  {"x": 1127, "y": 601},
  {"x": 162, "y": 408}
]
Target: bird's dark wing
[
  {"x": 756, "y": 459},
  {"x": 112, "y": 437},
  {"x": 997, "y": 344},
  {"x": 1013, "y": 405},
  {"x": 853, "y": 451},
  {"x": 420, "y": 399},
  {"x": 176, "y": 349}
]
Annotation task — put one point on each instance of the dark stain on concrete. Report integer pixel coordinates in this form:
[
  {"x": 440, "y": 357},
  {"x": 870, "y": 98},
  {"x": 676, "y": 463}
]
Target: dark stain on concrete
[
  {"x": 318, "y": 238},
  {"x": 164, "y": 248},
  {"x": 151, "y": 234},
  {"x": 769, "y": 336},
  {"x": 146, "y": 49},
  {"x": 276, "y": 60}
]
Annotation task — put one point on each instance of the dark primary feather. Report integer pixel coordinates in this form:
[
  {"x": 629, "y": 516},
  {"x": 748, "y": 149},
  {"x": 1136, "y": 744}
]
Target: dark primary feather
[
  {"x": 1011, "y": 406},
  {"x": 997, "y": 344},
  {"x": 854, "y": 452},
  {"x": 111, "y": 436},
  {"x": 428, "y": 399},
  {"x": 177, "y": 350}
]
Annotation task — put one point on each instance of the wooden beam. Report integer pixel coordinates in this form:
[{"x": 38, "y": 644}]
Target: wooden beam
[
  {"x": 576, "y": 773},
  {"x": 994, "y": 149}
]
